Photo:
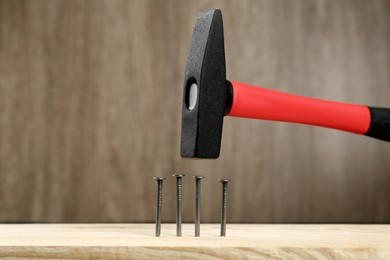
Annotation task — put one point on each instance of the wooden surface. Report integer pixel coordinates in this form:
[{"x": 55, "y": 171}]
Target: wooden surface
[
  {"x": 90, "y": 99},
  {"x": 243, "y": 241}
]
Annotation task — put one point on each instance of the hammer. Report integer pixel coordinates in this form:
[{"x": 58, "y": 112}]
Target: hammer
[{"x": 208, "y": 97}]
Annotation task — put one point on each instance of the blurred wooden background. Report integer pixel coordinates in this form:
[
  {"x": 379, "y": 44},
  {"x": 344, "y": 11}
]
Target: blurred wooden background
[{"x": 90, "y": 99}]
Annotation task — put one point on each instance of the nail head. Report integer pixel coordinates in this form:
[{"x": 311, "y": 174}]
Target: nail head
[{"x": 198, "y": 177}]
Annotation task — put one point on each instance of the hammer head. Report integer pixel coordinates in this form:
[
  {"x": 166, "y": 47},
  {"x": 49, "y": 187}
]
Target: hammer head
[{"x": 204, "y": 98}]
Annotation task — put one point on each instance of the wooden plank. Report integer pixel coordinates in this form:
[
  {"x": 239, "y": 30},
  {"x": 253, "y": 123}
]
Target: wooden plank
[{"x": 243, "y": 240}]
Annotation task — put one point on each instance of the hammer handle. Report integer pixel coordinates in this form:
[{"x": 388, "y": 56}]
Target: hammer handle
[{"x": 261, "y": 103}]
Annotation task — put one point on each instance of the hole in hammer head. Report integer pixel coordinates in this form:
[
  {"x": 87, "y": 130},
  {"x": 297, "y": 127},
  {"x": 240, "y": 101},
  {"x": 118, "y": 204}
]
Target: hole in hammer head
[{"x": 191, "y": 94}]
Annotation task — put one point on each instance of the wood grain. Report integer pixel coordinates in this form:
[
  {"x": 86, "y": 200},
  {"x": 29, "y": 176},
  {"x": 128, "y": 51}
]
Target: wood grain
[
  {"x": 135, "y": 241},
  {"x": 90, "y": 99}
]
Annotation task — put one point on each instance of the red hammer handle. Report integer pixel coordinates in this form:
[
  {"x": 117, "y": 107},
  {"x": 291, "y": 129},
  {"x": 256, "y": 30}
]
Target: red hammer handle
[{"x": 261, "y": 103}]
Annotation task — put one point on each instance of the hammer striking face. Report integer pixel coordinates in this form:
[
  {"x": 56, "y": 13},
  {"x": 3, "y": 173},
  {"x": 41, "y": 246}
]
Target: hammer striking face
[{"x": 208, "y": 97}]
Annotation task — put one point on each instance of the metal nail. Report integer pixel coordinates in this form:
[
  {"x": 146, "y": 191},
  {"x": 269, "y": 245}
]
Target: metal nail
[
  {"x": 198, "y": 179},
  {"x": 159, "y": 204},
  {"x": 224, "y": 206},
  {"x": 178, "y": 202}
]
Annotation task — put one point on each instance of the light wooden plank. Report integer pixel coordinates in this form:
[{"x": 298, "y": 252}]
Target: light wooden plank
[{"x": 243, "y": 240}]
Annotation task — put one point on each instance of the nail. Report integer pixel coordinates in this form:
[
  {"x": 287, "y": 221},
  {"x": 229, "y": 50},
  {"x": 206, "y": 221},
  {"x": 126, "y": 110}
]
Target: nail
[
  {"x": 224, "y": 205},
  {"x": 198, "y": 179},
  {"x": 159, "y": 204},
  {"x": 178, "y": 202}
]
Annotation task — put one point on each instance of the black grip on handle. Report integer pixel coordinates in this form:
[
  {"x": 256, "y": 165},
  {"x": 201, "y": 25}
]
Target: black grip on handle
[{"x": 380, "y": 123}]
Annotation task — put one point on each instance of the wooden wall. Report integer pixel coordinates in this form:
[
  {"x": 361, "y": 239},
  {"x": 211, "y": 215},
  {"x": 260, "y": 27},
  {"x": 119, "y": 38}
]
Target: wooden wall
[{"x": 90, "y": 107}]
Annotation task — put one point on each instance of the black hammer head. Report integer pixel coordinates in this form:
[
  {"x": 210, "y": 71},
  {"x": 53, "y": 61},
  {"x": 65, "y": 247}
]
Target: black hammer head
[{"x": 205, "y": 87}]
